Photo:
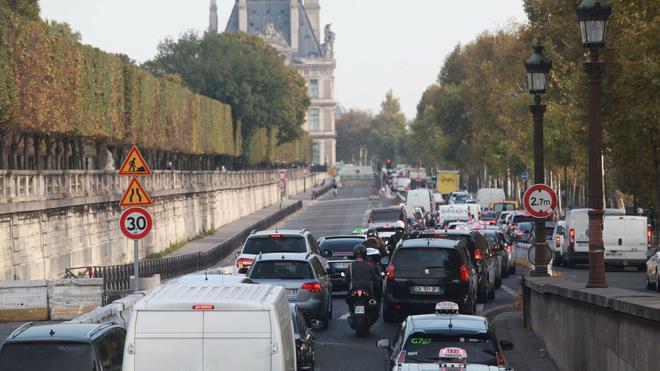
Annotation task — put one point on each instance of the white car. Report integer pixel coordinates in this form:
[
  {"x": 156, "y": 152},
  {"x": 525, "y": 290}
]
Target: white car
[
  {"x": 653, "y": 272},
  {"x": 557, "y": 241}
]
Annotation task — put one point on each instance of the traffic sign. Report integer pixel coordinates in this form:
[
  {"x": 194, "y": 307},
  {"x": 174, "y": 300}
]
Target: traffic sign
[
  {"x": 282, "y": 175},
  {"x": 540, "y": 201},
  {"x": 134, "y": 165},
  {"x": 282, "y": 183},
  {"x": 135, "y": 223},
  {"x": 135, "y": 195},
  {"x": 524, "y": 176}
]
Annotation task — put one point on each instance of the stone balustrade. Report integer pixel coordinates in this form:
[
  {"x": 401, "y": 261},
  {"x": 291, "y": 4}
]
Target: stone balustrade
[{"x": 26, "y": 186}]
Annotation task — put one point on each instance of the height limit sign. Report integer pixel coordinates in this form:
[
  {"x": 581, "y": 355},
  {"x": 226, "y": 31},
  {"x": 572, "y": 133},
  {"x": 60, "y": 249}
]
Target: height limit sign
[{"x": 540, "y": 201}]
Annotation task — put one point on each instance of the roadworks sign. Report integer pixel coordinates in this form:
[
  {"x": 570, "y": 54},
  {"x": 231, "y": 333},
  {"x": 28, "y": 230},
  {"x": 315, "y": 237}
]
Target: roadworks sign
[
  {"x": 134, "y": 165},
  {"x": 135, "y": 196}
]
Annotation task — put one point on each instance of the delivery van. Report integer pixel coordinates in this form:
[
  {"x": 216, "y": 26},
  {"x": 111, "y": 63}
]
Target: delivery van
[
  {"x": 625, "y": 241},
  {"x": 575, "y": 247},
  {"x": 487, "y": 195},
  {"x": 211, "y": 327},
  {"x": 420, "y": 198}
]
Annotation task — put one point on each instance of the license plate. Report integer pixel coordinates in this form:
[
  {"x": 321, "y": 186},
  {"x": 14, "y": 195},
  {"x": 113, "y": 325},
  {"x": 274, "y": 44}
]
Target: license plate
[
  {"x": 359, "y": 309},
  {"x": 292, "y": 292},
  {"x": 426, "y": 290},
  {"x": 340, "y": 265},
  {"x": 613, "y": 254}
]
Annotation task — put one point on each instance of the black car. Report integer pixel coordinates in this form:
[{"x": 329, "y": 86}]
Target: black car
[
  {"x": 64, "y": 347},
  {"x": 423, "y": 272},
  {"x": 503, "y": 247},
  {"x": 419, "y": 338},
  {"x": 304, "y": 339},
  {"x": 480, "y": 254},
  {"x": 338, "y": 251}
]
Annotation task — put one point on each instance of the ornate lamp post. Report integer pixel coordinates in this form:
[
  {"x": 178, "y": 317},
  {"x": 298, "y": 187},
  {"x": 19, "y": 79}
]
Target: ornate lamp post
[
  {"x": 593, "y": 18},
  {"x": 538, "y": 70}
]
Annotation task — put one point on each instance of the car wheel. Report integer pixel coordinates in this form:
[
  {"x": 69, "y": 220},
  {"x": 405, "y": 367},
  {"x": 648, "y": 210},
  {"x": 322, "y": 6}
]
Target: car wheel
[
  {"x": 491, "y": 294},
  {"x": 506, "y": 270},
  {"x": 649, "y": 286}
]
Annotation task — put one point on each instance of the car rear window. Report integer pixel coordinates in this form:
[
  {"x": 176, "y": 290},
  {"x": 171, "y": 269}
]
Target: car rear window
[
  {"x": 410, "y": 260},
  {"x": 423, "y": 348},
  {"x": 283, "y": 270},
  {"x": 517, "y": 219},
  {"x": 492, "y": 236},
  {"x": 525, "y": 227},
  {"x": 269, "y": 244},
  {"x": 489, "y": 215},
  {"x": 341, "y": 245},
  {"x": 385, "y": 215},
  {"x": 46, "y": 355},
  {"x": 504, "y": 207}
]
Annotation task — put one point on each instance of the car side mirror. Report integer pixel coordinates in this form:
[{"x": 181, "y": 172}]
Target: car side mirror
[
  {"x": 506, "y": 345},
  {"x": 316, "y": 324},
  {"x": 383, "y": 343},
  {"x": 237, "y": 254},
  {"x": 385, "y": 260},
  {"x": 327, "y": 253},
  {"x": 243, "y": 271}
]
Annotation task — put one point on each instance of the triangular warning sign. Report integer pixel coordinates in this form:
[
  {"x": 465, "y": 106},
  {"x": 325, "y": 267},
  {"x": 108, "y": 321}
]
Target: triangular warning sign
[
  {"x": 135, "y": 196},
  {"x": 134, "y": 165}
]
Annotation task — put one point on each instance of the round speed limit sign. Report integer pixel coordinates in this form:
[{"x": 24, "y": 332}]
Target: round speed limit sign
[
  {"x": 135, "y": 223},
  {"x": 540, "y": 201}
]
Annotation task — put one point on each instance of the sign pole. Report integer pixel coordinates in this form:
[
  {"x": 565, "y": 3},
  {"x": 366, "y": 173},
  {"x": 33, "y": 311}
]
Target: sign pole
[{"x": 136, "y": 265}]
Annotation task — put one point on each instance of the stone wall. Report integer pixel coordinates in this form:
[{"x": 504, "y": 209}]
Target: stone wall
[
  {"x": 23, "y": 301},
  {"x": 39, "y": 240},
  {"x": 593, "y": 329}
]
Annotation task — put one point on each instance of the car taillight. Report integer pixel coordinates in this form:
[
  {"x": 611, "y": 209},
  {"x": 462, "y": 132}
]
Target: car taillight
[
  {"x": 389, "y": 275},
  {"x": 465, "y": 275},
  {"x": 500, "y": 360},
  {"x": 401, "y": 359},
  {"x": 557, "y": 241},
  {"x": 513, "y": 227},
  {"x": 244, "y": 263},
  {"x": 478, "y": 255},
  {"x": 312, "y": 286},
  {"x": 203, "y": 307},
  {"x": 276, "y": 236},
  {"x": 519, "y": 234},
  {"x": 649, "y": 235},
  {"x": 571, "y": 235},
  {"x": 509, "y": 248}
]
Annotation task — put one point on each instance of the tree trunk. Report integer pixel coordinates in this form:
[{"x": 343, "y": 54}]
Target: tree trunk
[
  {"x": 59, "y": 154},
  {"x": 24, "y": 160},
  {"x": 14, "y": 152},
  {"x": 2, "y": 150},
  {"x": 36, "y": 143}
]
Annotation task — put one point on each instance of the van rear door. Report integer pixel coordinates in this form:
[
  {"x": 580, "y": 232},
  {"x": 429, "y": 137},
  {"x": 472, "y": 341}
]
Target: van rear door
[{"x": 625, "y": 239}]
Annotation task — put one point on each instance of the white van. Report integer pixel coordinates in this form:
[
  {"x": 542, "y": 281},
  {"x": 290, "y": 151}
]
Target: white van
[
  {"x": 211, "y": 328},
  {"x": 487, "y": 195},
  {"x": 420, "y": 198},
  {"x": 575, "y": 247},
  {"x": 401, "y": 184},
  {"x": 625, "y": 241}
]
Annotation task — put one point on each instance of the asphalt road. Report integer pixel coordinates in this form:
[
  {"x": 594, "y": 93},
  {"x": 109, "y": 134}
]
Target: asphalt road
[{"x": 337, "y": 348}]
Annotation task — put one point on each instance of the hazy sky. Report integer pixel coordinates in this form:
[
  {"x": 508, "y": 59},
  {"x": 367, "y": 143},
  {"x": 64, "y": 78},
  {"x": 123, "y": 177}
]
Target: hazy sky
[{"x": 381, "y": 44}]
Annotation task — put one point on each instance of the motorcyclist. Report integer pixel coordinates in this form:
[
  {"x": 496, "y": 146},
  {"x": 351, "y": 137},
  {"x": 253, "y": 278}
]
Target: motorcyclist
[
  {"x": 361, "y": 275},
  {"x": 374, "y": 241},
  {"x": 399, "y": 230}
]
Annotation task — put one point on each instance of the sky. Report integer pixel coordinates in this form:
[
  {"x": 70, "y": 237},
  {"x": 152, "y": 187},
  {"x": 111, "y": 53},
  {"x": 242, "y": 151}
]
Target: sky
[{"x": 380, "y": 44}]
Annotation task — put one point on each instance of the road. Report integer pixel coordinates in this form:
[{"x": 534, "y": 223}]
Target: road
[{"x": 337, "y": 348}]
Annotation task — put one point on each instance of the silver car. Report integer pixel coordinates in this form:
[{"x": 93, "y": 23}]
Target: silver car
[{"x": 307, "y": 283}]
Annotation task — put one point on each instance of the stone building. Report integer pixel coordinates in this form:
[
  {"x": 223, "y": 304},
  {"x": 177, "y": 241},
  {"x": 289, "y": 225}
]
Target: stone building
[{"x": 293, "y": 28}]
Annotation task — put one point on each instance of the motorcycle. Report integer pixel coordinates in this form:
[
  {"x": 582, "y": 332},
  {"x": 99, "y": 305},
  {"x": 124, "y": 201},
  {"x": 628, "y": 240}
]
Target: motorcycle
[{"x": 364, "y": 313}]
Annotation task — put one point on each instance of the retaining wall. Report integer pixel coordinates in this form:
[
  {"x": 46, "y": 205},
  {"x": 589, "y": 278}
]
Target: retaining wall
[{"x": 594, "y": 329}]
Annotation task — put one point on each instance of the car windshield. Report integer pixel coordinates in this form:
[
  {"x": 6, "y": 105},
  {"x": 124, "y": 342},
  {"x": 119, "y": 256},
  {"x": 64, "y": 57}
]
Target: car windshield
[
  {"x": 385, "y": 215},
  {"x": 410, "y": 260},
  {"x": 491, "y": 235},
  {"x": 281, "y": 270},
  {"x": 489, "y": 215},
  {"x": 52, "y": 356},
  {"x": 460, "y": 198},
  {"x": 274, "y": 243},
  {"x": 525, "y": 227},
  {"x": 340, "y": 245},
  {"x": 422, "y": 347}
]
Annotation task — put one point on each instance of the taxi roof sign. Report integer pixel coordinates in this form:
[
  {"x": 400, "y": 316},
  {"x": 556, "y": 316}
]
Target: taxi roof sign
[
  {"x": 134, "y": 165},
  {"x": 452, "y": 353},
  {"x": 446, "y": 307}
]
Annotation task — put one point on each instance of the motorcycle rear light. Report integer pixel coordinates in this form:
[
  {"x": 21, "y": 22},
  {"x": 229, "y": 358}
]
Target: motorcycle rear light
[
  {"x": 312, "y": 286},
  {"x": 557, "y": 242},
  {"x": 244, "y": 263},
  {"x": 464, "y": 275},
  {"x": 571, "y": 235},
  {"x": 478, "y": 255},
  {"x": 359, "y": 293},
  {"x": 401, "y": 359},
  {"x": 390, "y": 272},
  {"x": 397, "y": 306}
]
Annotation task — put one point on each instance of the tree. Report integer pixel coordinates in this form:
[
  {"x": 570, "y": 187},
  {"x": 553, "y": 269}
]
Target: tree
[
  {"x": 352, "y": 131},
  {"x": 64, "y": 29},
  {"x": 244, "y": 72},
  {"x": 387, "y": 130},
  {"x": 26, "y": 8}
]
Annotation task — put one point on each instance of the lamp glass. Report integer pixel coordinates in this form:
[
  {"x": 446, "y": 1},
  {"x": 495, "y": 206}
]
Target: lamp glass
[
  {"x": 537, "y": 82},
  {"x": 593, "y": 31}
]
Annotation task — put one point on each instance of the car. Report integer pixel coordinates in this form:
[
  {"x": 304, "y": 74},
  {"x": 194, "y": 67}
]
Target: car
[
  {"x": 653, "y": 272},
  {"x": 387, "y": 215},
  {"x": 502, "y": 206},
  {"x": 557, "y": 241},
  {"x": 275, "y": 241},
  {"x": 458, "y": 197},
  {"x": 515, "y": 219},
  {"x": 338, "y": 251},
  {"x": 307, "y": 282},
  {"x": 422, "y": 272},
  {"x": 64, "y": 347},
  {"x": 211, "y": 327},
  {"x": 304, "y": 337},
  {"x": 502, "y": 248},
  {"x": 488, "y": 217},
  {"x": 496, "y": 256},
  {"x": 524, "y": 233},
  {"x": 419, "y": 338},
  {"x": 480, "y": 254},
  {"x": 501, "y": 220}
]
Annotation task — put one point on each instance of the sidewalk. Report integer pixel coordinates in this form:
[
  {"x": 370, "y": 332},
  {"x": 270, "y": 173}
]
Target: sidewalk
[{"x": 528, "y": 352}]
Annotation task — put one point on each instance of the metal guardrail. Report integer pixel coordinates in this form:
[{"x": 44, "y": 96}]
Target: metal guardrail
[{"x": 117, "y": 278}]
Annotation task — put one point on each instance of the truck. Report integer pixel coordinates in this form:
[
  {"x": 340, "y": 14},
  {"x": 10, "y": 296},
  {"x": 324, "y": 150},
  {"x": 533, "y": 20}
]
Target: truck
[{"x": 447, "y": 181}]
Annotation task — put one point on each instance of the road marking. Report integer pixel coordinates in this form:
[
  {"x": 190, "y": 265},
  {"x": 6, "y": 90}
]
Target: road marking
[
  {"x": 509, "y": 290},
  {"x": 480, "y": 307},
  {"x": 343, "y": 316}
]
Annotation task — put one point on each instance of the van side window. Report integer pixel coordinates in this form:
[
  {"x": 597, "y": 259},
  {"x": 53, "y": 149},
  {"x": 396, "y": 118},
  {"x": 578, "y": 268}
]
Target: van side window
[{"x": 110, "y": 350}]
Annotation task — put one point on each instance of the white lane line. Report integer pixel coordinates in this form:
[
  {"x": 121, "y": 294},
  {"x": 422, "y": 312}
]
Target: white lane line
[
  {"x": 509, "y": 290},
  {"x": 480, "y": 308},
  {"x": 343, "y": 316}
]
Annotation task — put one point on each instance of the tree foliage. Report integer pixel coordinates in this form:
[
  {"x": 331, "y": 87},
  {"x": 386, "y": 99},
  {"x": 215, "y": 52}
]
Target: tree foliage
[
  {"x": 387, "y": 130},
  {"x": 352, "y": 129}
]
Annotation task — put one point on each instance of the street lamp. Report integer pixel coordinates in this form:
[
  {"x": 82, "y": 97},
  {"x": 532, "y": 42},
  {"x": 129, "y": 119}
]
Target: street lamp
[
  {"x": 593, "y": 18},
  {"x": 538, "y": 70}
]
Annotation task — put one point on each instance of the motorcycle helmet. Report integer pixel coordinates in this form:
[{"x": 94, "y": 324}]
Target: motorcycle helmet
[
  {"x": 371, "y": 233},
  {"x": 400, "y": 225},
  {"x": 360, "y": 250}
]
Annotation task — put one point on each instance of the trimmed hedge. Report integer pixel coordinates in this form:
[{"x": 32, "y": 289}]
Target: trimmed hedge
[{"x": 52, "y": 84}]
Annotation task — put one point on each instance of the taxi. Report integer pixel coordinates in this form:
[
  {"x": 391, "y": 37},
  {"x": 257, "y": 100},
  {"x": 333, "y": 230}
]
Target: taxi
[{"x": 420, "y": 339}]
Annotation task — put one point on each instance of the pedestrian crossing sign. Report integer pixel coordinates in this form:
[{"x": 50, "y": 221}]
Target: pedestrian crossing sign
[
  {"x": 134, "y": 165},
  {"x": 135, "y": 196}
]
